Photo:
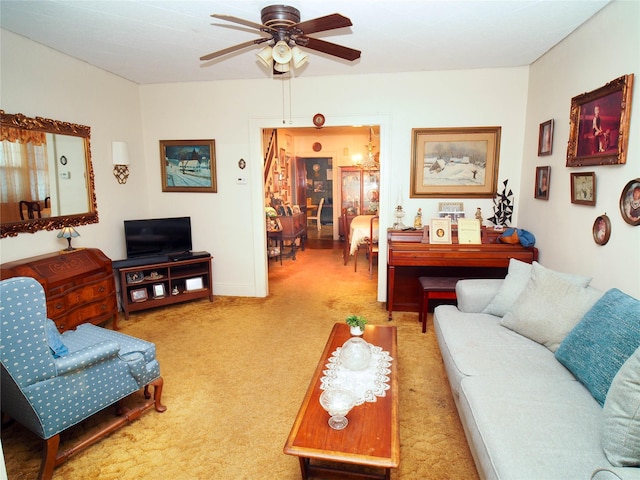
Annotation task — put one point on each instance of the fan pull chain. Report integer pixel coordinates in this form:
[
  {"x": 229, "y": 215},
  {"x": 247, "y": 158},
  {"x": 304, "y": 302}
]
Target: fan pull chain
[{"x": 283, "y": 114}]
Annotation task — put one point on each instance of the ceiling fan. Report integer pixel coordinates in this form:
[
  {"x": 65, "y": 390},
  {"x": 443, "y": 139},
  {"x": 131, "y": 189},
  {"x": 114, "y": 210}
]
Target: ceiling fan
[{"x": 283, "y": 30}]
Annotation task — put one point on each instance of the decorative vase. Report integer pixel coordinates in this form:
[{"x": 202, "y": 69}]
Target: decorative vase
[
  {"x": 355, "y": 354},
  {"x": 356, "y": 331}
]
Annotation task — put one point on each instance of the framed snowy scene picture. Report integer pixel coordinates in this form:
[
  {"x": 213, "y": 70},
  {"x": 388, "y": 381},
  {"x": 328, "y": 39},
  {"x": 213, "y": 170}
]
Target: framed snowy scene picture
[
  {"x": 454, "y": 162},
  {"x": 188, "y": 165}
]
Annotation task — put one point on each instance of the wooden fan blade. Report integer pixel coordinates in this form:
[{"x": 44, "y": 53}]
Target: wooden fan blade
[
  {"x": 322, "y": 24},
  {"x": 242, "y": 21},
  {"x": 329, "y": 48},
  {"x": 240, "y": 46}
]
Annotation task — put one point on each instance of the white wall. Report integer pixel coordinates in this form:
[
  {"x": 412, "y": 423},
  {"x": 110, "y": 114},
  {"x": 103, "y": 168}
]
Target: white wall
[
  {"x": 606, "y": 47},
  {"x": 230, "y": 223},
  {"x": 61, "y": 88}
]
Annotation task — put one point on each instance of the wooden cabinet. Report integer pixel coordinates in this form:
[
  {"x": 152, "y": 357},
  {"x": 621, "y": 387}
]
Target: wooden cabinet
[
  {"x": 359, "y": 191},
  {"x": 359, "y": 194},
  {"x": 79, "y": 286},
  {"x": 159, "y": 284}
]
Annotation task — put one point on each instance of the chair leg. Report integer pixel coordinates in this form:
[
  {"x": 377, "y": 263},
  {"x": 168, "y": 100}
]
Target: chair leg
[
  {"x": 355, "y": 260},
  {"x": 49, "y": 456}
]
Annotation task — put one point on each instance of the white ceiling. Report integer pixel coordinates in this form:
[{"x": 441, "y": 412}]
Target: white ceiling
[{"x": 158, "y": 41}]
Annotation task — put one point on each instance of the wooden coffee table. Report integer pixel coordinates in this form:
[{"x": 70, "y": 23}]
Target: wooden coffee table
[{"x": 371, "y": 439}]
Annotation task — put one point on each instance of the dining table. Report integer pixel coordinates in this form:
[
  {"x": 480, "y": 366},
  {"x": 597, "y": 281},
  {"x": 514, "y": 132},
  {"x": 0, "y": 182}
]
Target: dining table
[{"x": 361, "y": 229}]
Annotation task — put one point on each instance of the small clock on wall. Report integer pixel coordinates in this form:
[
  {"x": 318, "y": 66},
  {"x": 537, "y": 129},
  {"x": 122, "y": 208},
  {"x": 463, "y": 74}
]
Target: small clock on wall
[
  {"x": 63, "y": 160},
  {"x": 318, "y": 120}
]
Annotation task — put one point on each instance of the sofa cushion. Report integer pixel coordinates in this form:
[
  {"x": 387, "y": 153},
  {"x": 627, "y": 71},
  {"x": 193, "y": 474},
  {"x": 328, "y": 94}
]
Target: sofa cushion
[
  {"x": 621, "y": 432},
  {"x": 515, "y": 283},
  {"x": 476, "y": 344},
  {"x": 602, "y": 341},
  {"x": 549, "y": 307},
  {"x": 532, "y": 428}
]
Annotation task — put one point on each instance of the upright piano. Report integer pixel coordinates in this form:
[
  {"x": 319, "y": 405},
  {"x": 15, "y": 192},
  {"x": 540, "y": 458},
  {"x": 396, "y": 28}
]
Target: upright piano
[{"x": 409, "y": 258}]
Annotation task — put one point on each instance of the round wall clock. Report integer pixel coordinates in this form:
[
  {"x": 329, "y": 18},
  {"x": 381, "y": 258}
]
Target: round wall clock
[
  {"x": 318, "y": 120},
  {"x": 63, "y": 160}
]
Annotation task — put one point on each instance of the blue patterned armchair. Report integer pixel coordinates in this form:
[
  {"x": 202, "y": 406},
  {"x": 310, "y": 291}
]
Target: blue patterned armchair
[{"x": 51, "y": 382}]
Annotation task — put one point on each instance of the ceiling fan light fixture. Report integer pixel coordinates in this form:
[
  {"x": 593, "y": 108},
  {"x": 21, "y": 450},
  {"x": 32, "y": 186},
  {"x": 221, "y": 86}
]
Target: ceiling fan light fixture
[
  {"x": 299, "y": 57},
  {"x": 281, "y": 67},
  {"x": 281, "y": 52},
  {"x": 265, "y": 56}
]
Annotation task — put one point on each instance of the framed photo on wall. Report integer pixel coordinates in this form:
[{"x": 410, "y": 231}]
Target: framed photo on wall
[
  {"x": 630, "y": 202},
  {"x": 543, "y": 177},
  {"x": 454, "y": 162},
  {"x": 545, "y": 138},
  {"x": 599, "y": 124},
  {"x": 583, "y": 188},
  {"x": 188, "y": 165},
  {"x": 601, "y": 230}
]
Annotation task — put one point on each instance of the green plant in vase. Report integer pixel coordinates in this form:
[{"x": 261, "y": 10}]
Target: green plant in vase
[{"x": 357, "y": 323}]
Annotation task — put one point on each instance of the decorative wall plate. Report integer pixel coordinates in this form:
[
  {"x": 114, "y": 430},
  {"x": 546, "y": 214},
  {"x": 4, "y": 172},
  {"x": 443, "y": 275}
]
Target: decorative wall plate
[{"x": 318, "y": 120}]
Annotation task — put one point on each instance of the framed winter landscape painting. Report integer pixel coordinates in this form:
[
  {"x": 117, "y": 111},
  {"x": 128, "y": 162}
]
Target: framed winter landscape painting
[
  {"x": 188, "y": 165},
  {"x": 454, "y": 162}
]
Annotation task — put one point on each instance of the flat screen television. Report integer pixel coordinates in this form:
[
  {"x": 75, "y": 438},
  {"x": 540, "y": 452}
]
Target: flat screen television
[{"x": 157, "y": 236}]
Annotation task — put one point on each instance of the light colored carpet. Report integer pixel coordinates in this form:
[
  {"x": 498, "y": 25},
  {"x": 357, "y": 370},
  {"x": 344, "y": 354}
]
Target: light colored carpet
[{"x": 236, "y": 371}]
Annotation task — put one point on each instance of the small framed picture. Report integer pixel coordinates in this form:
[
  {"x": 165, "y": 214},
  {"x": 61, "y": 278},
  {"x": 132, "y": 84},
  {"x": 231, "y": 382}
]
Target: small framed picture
[
  {"x": 601, "y": 230},
  {"x": 135, "y": 277},
  {"x": 630, "y": 202},
  {"x": 194, "y": 284},
  {"x": 545, "y": 138},
  {"x": 158, "y": 290},
  {"x": 583, "y": 188},
  {"x": 440, "y": 230},
  {"x": 139, "y": 295},
  {"x": 543, "y": 175}
]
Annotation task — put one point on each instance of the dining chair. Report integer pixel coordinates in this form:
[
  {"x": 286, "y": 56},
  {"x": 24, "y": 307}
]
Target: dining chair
[
  {"x": 318, "y": 215},
  {"x": 372, "y": 245},
  {"x": 30, "y": 209}
]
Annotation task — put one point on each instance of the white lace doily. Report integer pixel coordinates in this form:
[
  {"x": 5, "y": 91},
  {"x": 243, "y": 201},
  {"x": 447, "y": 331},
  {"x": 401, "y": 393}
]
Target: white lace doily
[{"x": 367, "y": 384}]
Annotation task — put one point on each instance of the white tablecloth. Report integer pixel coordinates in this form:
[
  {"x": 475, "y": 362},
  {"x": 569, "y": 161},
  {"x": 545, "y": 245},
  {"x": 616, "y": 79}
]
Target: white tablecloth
[{"x": 360, "y": 229}]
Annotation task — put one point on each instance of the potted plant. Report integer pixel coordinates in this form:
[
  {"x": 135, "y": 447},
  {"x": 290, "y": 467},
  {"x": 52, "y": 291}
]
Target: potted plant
[{"x": 357, "y": 324}]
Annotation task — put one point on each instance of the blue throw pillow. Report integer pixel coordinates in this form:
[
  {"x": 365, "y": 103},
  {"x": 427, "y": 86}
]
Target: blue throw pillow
[
  {"x": 55, "y": 339},
  {"x": 602, "y": 341}
]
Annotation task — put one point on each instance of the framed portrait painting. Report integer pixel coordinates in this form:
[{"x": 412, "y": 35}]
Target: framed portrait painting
[
  {"x": 599, "y": 124},
  {"x": 583, "y": 188},
  {"x": 545, "y": 138},
  {"x": 454, "y": 162},
  {"x": 543, "y": 177},
  {"x": 630, "y": 202},
  {"x": 188, "y": 165},
  {"x": 601, "y": 230}
]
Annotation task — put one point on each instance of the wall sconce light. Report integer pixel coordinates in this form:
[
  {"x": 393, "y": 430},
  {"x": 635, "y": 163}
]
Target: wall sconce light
[
  {"x": 120, "y": 157},
  {"x": 68, "y": 233}
]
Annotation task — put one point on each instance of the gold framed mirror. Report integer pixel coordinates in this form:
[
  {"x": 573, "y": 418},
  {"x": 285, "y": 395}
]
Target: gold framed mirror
[{"x": 46, "y": 173}]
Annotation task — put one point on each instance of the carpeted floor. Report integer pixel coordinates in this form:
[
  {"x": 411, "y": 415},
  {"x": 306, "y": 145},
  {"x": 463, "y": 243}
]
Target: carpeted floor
[{"x": 235, "y": 373}]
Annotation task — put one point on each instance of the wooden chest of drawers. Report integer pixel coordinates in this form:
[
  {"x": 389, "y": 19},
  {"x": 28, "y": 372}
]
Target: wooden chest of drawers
[{"x": 79, "y": 285}]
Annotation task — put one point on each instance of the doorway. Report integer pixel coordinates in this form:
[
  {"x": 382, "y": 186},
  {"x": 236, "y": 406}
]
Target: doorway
[{"x": 319, "y": 200}]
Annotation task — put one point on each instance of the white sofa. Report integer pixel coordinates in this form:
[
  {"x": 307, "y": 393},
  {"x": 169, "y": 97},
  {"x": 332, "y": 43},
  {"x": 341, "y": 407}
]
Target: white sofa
[{"x": 525, "y": 415}]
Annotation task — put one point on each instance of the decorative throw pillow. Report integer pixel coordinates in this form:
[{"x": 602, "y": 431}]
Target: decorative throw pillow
[
  {"x": 516, "y": 281},
  {"x": 606, "y": 336},
  {"x": 549, "y": 307},
  {"x": 621, "y": 431},
  {"x": 55, "y": 339}
]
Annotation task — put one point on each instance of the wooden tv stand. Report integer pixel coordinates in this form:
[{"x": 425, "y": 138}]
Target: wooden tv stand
[{"x": 158, "y": 284}]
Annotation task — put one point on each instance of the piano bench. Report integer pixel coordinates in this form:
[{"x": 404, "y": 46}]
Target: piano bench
[{"x": 435, "y": 288}]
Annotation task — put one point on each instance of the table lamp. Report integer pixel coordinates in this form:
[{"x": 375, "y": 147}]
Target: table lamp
[{"x": 68, "y": 233}]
